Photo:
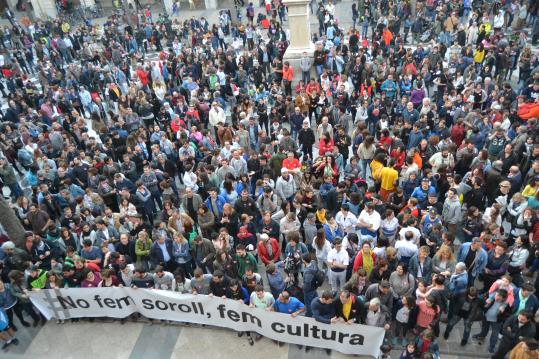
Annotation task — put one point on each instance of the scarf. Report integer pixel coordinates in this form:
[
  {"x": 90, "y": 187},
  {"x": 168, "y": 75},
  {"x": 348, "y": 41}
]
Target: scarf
[
  {"x": 368, "y": 262},
  {"x": 321, "y": 216}
]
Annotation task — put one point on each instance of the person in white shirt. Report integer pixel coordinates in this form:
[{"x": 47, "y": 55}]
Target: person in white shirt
[
  {"x": 337, "y": 263},
  {"x": 410, "y": 227},
  {"x": 406, "y": 249},
  {"x": 345, "y": 219},
  {"x": 190, "y": 178},
  {"x": 369, "y": 222}
]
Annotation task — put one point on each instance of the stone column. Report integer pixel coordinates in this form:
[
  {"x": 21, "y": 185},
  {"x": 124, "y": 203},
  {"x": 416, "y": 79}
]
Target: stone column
[
  {"x": 300, "y": 29},
  {"x": 300, "y": 34},
  {"x": 87, "y": 3},
  {"x": 44, "y": 8},
  {"x": 168, "y": 6},
  {"x": 211, "y": 4}
]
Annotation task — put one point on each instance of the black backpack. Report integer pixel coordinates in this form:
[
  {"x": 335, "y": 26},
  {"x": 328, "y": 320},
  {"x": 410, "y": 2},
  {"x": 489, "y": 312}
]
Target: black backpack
[{"x": 318, "y": 278}]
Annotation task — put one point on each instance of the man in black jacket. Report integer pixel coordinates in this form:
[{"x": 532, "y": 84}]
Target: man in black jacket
[
  {"x": 349, "y": 308},
  {"x": 515, "y": 329},
  {"x": 306, "y": 140},
  {"x": 467, "y": 306}
]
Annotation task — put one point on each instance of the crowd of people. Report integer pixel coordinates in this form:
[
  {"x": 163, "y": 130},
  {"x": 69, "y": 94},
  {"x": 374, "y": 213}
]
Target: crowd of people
[{"x": 400, "y": 173}]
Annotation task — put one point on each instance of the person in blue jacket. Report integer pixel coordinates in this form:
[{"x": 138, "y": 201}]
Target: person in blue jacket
[
  {"x": 215, "y": 202},
  {"x": 421, "y": 192},
  {"x": 474, "y": 257}
]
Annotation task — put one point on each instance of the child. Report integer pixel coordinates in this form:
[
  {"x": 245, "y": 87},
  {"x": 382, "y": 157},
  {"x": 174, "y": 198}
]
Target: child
[
  {"x": 426, "y": 343},
  {"x": 408, "y": 352},
  {"x": 385, "y": 351},
  {"x": 402, "y": 320},
  {"x": 421, "y": 291}
]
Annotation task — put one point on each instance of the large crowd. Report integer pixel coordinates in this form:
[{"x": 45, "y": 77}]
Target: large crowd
[{"x": 396, "y": 184}]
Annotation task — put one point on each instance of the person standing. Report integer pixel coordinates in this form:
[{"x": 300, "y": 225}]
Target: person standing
[
  {"x": 309, "y": 282},
  {"x": 337, "y": 261},
  {"x": 451, "y": 213},
  {"x": 515, "y": 329},
  {"x": 324, "y": 311}
]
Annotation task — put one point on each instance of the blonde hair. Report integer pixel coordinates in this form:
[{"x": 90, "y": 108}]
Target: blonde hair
[{"x": 445, "y": 249}]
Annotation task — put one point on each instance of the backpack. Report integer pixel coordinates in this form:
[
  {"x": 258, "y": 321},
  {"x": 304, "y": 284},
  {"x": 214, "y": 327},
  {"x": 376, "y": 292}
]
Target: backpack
[{"x": 318, "y": 278}]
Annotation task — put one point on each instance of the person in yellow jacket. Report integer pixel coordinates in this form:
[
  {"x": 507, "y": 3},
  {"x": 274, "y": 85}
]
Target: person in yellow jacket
[
  {"x": 479, "y": 54},
  {"x": 388, "y": 179},
  {"x": 376, "y": 166}
]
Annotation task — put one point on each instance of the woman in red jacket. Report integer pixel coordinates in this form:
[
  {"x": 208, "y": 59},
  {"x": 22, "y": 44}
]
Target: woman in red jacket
[
  {"x": 365, "y": 259},
  {"x": 326, "y": 144},
  {"x": 268, "y": 249},
  {"x": 399, "y": 155}
]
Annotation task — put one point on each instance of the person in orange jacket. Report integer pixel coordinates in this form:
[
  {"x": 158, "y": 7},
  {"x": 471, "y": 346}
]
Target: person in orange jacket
[{"x": 288, "y": 75}]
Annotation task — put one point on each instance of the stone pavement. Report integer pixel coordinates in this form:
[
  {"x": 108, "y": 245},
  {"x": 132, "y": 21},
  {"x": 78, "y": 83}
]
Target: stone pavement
[{"x": 110, "y": 339}]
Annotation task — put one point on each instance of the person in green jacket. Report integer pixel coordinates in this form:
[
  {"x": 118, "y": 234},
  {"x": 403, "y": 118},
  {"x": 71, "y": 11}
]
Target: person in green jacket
[
  {"x": 245, "y": 260},
  {"x": 143, "y": 244}
]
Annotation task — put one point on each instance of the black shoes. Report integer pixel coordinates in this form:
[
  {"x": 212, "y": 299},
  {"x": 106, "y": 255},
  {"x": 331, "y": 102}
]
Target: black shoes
[{"x": 463, "y": 342}]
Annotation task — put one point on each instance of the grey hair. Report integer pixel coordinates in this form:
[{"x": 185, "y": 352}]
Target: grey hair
[
  {"x": 460, "y": 266},
  {"x": 375, "y": 301}
]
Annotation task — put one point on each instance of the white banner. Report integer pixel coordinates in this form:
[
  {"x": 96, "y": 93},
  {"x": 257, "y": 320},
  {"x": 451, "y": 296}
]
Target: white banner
[{"x": 201, "y": 309}]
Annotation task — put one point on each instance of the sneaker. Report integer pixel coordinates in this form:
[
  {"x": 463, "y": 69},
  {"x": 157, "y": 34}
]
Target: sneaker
[
  {"x": 250, "y": 340},
  {"x": 491, "y": 350},
  {"x": 328, "y": 351},
  {"x": 446, "y": 335},
  {"x": 6, "y": 344},
  {"x": 25, "y": 324},
  {"x": 15, "y": 341},
  {"x": 240, "y": 334},
  {"x": 463, "y": 342}
]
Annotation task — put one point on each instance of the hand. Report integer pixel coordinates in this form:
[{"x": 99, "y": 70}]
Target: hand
[
  {"x": 334, "y": 320},
  {"x": 351, "y": 321},
  {"x": 386, "y": 327},
  {"x": 293, "y": 315}
]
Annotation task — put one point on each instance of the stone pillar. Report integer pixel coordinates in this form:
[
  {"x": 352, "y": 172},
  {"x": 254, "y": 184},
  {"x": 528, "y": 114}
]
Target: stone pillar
[
  {"x": 300, "y": 34},
  {"x": 44, "y": 8},
  {"x": 168, "y": 6},
  {"x": 211, "y": 4},
  {"x": 87, "y": 3}
]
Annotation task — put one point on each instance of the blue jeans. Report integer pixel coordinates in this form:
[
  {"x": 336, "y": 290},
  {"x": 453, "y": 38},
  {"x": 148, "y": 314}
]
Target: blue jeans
[
  {"x": 319, "y": 69},
  {"x": 16, "y": 191},
  {"x": 309, "y": 297},
  {"x": 495, "y": 328},
  {"x": 363, "y": 164},
  {"x": 306, "y": 76},
  {"x": 467, "y": 326}
]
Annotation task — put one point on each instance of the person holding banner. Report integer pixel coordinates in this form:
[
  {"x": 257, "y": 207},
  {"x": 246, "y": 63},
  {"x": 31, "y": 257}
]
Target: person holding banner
[
  {"x": 288, "y": 305},
  {"x": 324, "y": 311}
]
